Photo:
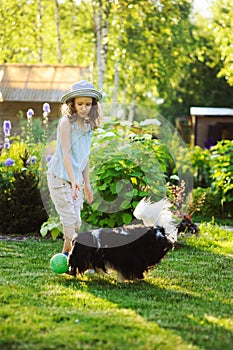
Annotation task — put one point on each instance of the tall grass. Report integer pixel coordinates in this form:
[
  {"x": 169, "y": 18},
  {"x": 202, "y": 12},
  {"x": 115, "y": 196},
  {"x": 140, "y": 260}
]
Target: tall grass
[{"x": 184, "y": 303}]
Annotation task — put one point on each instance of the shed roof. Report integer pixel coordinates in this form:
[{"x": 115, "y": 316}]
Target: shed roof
[
  {"x": 38, "y": 82},
  {"x": 211, "y": 111}
]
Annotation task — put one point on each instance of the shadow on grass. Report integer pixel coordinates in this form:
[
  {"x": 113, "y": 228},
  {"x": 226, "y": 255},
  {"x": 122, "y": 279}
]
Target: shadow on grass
[
  {"x": 188, "y": 295},
  {"x": 192, "y": 299}
]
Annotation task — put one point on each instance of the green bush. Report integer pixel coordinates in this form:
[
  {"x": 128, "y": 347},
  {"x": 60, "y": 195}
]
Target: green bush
[
  {"x": 125, "y": 168},
  {"x": 222, "y": 172},
  {"x": 211, "y": 205},
  {"x": 37, "y": 130},
  {"x": 200, "y": 160},
  {"x": 22, "y": 210},
  {"x": 212, "y": 170}
]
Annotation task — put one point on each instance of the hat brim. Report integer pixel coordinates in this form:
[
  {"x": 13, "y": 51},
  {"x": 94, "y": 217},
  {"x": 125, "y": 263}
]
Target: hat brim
[{"x": 82, "y": 92}]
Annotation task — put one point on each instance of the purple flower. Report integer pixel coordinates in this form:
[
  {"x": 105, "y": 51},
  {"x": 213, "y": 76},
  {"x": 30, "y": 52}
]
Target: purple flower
[
  {"x": 6, "y": 143},
  {"x": 9, "y": 162},
  {"x": 48, "y": 157},
  {"x": 32, "y": 160},
  {"x": 30, "y": 113},
  {"x": 7, "y": 127},
  {"x": 46, "y": 108}
]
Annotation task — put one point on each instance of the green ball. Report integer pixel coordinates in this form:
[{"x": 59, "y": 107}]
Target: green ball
[{"x": 59, "y": 263}]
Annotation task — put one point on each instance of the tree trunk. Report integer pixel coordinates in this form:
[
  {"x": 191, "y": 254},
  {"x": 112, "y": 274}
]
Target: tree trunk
[
  {"x": 98, "y": 49},
  {"x": 101, "y": 19},
  {"x": 57, "y": 17},
  {"x": 116, "y": 82},
  {"x": 116, "y": 88},
  {"x": 39, "y": 26},
  {"x": 131, "y": 109}
]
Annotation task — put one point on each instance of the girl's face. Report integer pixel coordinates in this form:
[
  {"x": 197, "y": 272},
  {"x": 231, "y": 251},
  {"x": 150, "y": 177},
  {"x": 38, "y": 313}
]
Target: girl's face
[{"x": 82, "y": 106}]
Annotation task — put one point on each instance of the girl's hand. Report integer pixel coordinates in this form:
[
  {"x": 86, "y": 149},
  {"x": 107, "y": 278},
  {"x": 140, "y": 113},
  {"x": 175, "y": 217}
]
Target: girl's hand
[
  {"x": 75, "y": 185},
  {"x": 88, "y": 193}
]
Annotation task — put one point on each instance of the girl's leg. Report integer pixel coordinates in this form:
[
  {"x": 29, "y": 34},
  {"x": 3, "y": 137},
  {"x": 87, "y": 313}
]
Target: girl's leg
[
  {"x": 67, "y": 208},
  {"x": 69, "y": 232}
]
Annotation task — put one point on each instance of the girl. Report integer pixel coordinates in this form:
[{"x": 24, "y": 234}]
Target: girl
[{"x": 68, "y": 169}]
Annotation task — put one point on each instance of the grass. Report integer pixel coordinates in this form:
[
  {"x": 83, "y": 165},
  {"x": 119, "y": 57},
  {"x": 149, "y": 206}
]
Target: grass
[
  {"x": 184, "y": 303},
  {"x": 214, "y": 220}
]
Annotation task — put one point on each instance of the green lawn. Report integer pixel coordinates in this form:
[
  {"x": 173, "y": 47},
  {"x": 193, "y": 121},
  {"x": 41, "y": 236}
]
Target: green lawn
[{"x": 185, "y": 303}]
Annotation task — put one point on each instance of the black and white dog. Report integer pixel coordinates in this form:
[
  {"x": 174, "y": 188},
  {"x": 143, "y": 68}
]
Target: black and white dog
[{"x": 129, "y": 250}]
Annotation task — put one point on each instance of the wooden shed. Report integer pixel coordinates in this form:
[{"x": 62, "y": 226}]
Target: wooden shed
[
  {"x": 210, "y": 125},
  {"x": 30, "y": 86}
]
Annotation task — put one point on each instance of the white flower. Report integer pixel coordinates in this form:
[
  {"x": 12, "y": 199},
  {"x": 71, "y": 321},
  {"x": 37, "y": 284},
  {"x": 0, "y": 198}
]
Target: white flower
[
  {"x": 150, "y": 122},
  {"x": 46, "y": 108},
  {"x": 125, "y": 123},
  {"x": 109, "y": 134},
  {"x": 174, "y": 177},
  {"x": 30, "y": 113}
]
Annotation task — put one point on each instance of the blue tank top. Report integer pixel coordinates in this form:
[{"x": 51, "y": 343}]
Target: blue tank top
[{"x": 80, "y": 150}]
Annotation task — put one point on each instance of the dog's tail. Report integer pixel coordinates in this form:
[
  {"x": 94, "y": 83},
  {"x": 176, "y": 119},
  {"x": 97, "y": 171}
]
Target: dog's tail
[{"x": 157, "y": 214}]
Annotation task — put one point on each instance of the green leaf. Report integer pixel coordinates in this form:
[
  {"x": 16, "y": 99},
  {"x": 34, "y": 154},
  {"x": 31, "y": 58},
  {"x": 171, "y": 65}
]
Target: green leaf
[
  {"x": 55, "y": 232},
  {"x": 102, "y": 187},
  {"x": 128, "y": 194},
  {"x": 43, "y": 231},
  {"x": 119, "y": 186},
  {"x": 95, "y": 205},
  {"x": 127, "y": 218},
  {"x": 125, "y": 204},
  {"x": 113, "y": 188},
  {"x": 142, "y": 194}
]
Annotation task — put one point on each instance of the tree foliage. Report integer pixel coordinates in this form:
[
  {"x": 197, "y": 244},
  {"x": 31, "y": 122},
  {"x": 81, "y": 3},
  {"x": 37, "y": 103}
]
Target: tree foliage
[
  {"x": 222, "y": 28},
  {"x": 146, "y": 52}
]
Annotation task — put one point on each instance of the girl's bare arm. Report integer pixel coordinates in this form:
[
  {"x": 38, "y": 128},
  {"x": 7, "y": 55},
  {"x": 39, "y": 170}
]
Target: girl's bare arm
[
  {"x": 87, "y": 186},
  {"x": 66, "y": 150}
]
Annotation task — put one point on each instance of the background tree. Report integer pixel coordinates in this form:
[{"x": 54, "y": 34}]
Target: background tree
[
  {"x": 200, "y": 83},
  {"x": 222, "y": 27},
  {"x": 18, "y": 31},
  {"x": 149, "y": 50},
  {"x": 58, "y": 31},
  {"x": 139, "y": 52}
]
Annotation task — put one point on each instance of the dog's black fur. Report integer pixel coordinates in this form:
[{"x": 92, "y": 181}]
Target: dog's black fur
[{"x": 130, "y": 250}]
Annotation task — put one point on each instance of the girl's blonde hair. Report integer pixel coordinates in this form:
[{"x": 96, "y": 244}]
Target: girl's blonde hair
[{"x": 94, "y": 115}]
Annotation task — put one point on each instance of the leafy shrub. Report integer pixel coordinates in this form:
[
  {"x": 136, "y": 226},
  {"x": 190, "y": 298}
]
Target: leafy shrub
[
  {"x": 22, "y": 209},
  {"x": 200, "y": 160},
  {"x": 124, "y": 170},
  {"x": 211, "y": 205},
  {"x": 221, "y": 172},
  {"x": 35, "y": 130},
  {"x": 212, "y": 169},
  {"x": 52, "y": 226},
  {"x": 121, "y": 182}
]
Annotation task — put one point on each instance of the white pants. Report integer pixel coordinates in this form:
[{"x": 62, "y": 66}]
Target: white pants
[{"x": 68, "y": 208}]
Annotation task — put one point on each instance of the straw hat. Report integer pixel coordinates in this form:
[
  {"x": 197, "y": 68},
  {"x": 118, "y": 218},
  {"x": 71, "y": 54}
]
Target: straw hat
[{"x": 82, "y": 88}]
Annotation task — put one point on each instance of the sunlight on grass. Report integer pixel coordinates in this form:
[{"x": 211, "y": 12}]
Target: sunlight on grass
[
  {"x": 184, "y": 303},
  {"x": 214, "y": 238},
  {"x": 167, "y": 284},
  {"x": 227, "y": 323}
]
